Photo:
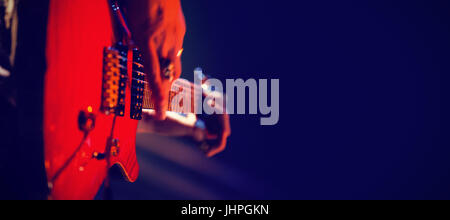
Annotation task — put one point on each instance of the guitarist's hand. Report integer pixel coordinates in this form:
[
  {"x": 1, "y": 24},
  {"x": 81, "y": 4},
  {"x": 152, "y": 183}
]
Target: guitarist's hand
[
  {"x": 217, "y": 126},
  {"x": 214, "y": 133},
  {"x": 158, "y": 28}
]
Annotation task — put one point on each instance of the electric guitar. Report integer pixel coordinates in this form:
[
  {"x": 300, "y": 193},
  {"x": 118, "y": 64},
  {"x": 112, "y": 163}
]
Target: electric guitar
[{"x": 95, "y": 92}]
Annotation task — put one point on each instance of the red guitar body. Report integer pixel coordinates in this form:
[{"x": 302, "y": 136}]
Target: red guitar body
[{"x": 78, "y": 31}]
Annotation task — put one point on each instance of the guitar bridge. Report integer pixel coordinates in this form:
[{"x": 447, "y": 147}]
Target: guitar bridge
[{"x": 114, "y": 80}]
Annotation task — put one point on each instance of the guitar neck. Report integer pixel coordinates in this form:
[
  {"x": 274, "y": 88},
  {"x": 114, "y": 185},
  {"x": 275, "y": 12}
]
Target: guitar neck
[{"x": 184, "y": 92}]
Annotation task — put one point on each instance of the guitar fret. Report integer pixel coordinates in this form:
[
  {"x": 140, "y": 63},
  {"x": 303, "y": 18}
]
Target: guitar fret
[{"x": 173, "y": 98}]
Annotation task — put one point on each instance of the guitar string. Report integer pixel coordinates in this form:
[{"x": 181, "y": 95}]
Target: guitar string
[{"x": 147, "y": 93}]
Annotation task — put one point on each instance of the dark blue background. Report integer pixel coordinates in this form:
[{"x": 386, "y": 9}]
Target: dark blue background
[{"x": 364, "y": 84}]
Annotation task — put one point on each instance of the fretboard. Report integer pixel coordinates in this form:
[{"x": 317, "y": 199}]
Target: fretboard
[{"x": 185, "y": 92}]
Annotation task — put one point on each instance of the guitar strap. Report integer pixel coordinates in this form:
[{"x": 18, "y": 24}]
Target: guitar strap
[{"x": 123, "y": 33}]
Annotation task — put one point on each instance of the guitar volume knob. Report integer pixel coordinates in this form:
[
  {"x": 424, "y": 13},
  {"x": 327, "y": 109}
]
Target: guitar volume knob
[{"x": 86, "y": 120}]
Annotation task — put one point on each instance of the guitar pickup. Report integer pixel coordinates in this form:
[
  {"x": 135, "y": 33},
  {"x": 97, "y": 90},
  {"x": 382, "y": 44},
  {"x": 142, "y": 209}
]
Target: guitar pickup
[{"x": 137, "y": 86}]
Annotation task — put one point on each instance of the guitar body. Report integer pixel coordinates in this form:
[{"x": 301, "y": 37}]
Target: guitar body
[{"x": 78, "y": 32}]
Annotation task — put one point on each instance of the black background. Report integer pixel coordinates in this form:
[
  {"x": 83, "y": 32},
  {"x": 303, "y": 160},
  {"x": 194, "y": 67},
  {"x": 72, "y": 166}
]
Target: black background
[{"x": 364, "y": 84}]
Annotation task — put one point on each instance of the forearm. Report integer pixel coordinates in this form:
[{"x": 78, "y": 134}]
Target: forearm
[
  {"x": 146, "y": 18},
  {"x": 158, "y": 29}
]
